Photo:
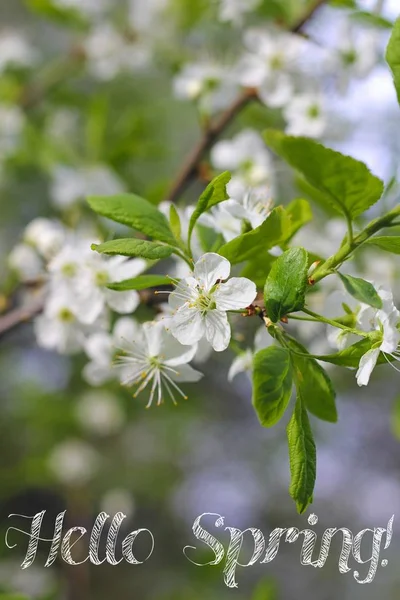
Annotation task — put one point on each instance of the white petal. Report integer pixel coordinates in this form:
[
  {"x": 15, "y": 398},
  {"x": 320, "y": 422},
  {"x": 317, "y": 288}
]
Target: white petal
[
  {"x": 218, "y": 330},
  {"x": 235, "y": 294},
  {"x": 88, "y": 307},
  {"x": 241, "y": 364},
  {"x": 95, "y": 373},
  {"x": 203, "y": 352},
  {"x": 99, "y": 348},
  {"x": 367, "y": 365},
  {"x": 153, "y": 332},
  {"x": 122, "y": 302},
  {"x": 211, "y": 267},
  {"x": 186, "y": 373},
  {"x": 262, "y": 339},
  {"x": 187, "y": 325},
  {"x": 126, "y": 328},
  {"x": 128, "y": 269}
]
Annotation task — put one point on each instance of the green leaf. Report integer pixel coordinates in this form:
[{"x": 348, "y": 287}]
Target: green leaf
[
  {"x": 140, "y": 283},
  {"x": 374, "y": 20},
  {"x": 134, "y": 247},
  {"x": 175, "y": 222},
  {"x": 266, "y": 590},
  {"x": 395, "y": 420},
  {"x": 285, "y": 287},
  {"x": 302, "y": 456},
  {"x": 361, "y": 290},
  {"x": 390, "y": 243},
  {"x": 13, "y": 597},
  {"x": 135, "y": 212},
  {"x": 393, "y": 56},
  {"x": 272, "y": 384},
  {"x": 350, "y": 357},
  {"x": 270, "y": 233},
  {"x": 344, "y": 3},
  {"x": 214, "y": 193},
  {"x": 346, "y": 184},
  {"x": 313, "y": 383},
  {"x": 64, "y": 16},
  {"x": 300, "y": 213}
]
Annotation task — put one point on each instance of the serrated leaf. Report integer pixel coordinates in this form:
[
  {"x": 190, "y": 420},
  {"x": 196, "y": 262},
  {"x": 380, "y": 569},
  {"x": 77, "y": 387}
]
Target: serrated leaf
[
  {"x": 346, "y": 183},
  {"x": 302, "y": 456},
  {"x": 175, "y": 222},
  {"x": 299, "y": 213},
  {"x": 350, "y": 357},
  {"x": 314, "y": 384},
  {"x": 393, "y": 56},
  {"x": 214, "y": 193},
  {"x": 372, "y": 19},
  {"x": 270, "y": 233},
  {"x": 390, "y": 243},
  {"x": 136, "y": 212},
  {"x": 272, "y": 384},
  {"x": 141, "y": 282},
  {"x": 134, "y": 247},
  {"x": 285, "y": 287},
  {"x": 361, "y": 290}
]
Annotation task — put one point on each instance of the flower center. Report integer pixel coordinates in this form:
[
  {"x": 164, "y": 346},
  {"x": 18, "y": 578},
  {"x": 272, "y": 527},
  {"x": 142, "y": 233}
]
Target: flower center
[
  {"x": 66, "y": 316},
  {"x": 69, "y": 270},
  {"x": 101, "y": 278},
  {"x": 314, "y": 111},
  {"x": 349, "y": 57},
  {"x": 276, "y": 62},
  {"x": 205, "y": 302}
]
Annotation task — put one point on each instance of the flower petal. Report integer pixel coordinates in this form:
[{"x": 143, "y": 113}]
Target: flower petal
[
  {"x": 211, "y": 267},
  {"x": 122, "y": 302},
  {"x": 367, "y": 364},
  {"x": 241, "y": 364},
  {"x": 235, "y": 294},
  {"x": 99, "y": 348},
  {"x": 187, "y": 325},
  {"x": 127, "y": 269},
  {"x": 95, "y": 373},
  {"x": 218, "y": 330},
  {"x": 185, "y": 291},
  {"x": 186, "y": 373}
]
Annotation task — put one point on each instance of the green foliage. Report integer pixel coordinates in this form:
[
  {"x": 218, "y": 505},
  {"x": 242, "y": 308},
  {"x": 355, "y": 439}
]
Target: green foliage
[
  {"x": 390, "y": 243},
  {"x": 134, "y": 247},
  {"x": 343, "y": 182},
  {"x": 135, "y": 212},
  {"x": 344, "y": 3},
  {"x": 270, "y": 233},
  {"x": 350, "y": 357},
  {"x": 395, "y": 421},
  {"x": 285, "y": 287},
  {"x": 272, "y": 384},
  {"x": 175, "y": 222},
  {"x": 214, "y": 193},
  {"x": 140, "y": 282},
  {"x": 64, "y": 16},
  {"x": 302, "y": 456},
  {"x": 361, "y": 290},
  {"x": 266, "y": 590},
  {"x": 371, "y": 19},
  {"x": 393, "y": 56},
  {"x": 313, "y": 383},
  {"x": 299, "y": 213}
]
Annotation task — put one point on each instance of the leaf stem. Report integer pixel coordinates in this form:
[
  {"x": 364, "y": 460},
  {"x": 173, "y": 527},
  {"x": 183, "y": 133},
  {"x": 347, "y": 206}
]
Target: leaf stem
[{"x": 323, "y": 319}]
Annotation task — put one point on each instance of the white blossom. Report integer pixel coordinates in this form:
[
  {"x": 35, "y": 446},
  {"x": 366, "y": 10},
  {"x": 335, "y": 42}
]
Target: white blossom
[
  {"x": 101, "y": 348},
  {"x": 15, "y": 51},
  {"x": 47, "y": 236},
  {"x": 385, "y": 321},
  {"x": 74, "y": 462},
  {"x": 243, "y": 363},
  {"x": 69, "y": 185},
  {"x": 25, "y": 262},
  {"x": 223, "y": 219},
  {"x": 118, "y": 500},
  {"x": 201, "y": 302},
  {"x": 12, "y": 122},
  {"x": 89, "y": 8},
  {"x": 99, "y": 413},
  {"x": 235, "y": 10},
  {"x": 155, "y": 359},
  {"x": 306, "y": 115}
]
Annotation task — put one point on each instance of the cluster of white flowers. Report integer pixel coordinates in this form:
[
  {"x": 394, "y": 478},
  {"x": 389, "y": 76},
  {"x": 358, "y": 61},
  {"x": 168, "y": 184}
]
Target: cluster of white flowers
[{"x": 279, "y": 66}]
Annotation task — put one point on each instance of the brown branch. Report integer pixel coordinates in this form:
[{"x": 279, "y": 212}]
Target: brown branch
[
  {"x": 20, "y": 315},
  {"x": 190, "y": 168}
]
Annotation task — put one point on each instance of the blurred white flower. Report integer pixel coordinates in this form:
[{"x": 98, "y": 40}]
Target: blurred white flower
[
  {"x": 306, "y": 115},
  {"x": 109, "y": 53},
  {"x": 35, "y": 581},
  {"x": 118, "y": 500},
  {"x": 251, "y": 204},
  {"x": 155, "y": 358},
  {"x": 90, "y": 8},
  {"x": 25, "y": 262},
  {"x": 243, "y": 363},
  {"x": 15, "y": 51},
  {"x": 235, "y": 10},
  {"x": 201, "y": 302},
  {"x": 209, "y": 84},
  {"x": 12, "y": 122},
  {"x": 69, "y": 185},
  {"x": 223, "y": 220},
  {"x": 47, "y": 236},
  {"x": 100, "y": 413},
  {"x": 144, "y": 16},
  {"x": 73, "y": 462},
  {"x": 101, "y": 348}
]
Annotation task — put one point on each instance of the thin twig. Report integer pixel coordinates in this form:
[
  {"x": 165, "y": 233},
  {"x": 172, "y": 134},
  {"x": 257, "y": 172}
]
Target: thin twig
[{"x": 20, "y": 315}]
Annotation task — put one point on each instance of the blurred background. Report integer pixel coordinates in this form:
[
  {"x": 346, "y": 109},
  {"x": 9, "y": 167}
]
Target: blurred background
[{"x": 79, "y": 114}]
